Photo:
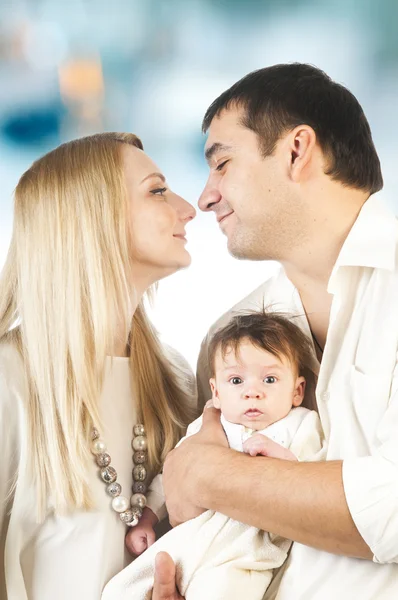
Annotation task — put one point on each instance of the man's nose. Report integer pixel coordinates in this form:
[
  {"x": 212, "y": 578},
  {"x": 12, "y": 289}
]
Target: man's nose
[{"x": 209, "y": 197}]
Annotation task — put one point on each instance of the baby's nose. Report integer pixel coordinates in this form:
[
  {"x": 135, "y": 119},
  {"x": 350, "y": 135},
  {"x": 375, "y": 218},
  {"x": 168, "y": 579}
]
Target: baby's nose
[{"x": 254, "y": 393}]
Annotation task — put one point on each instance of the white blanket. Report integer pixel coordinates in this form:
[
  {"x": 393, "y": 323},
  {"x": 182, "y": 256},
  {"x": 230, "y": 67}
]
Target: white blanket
[{"x": 216, "y": 557}]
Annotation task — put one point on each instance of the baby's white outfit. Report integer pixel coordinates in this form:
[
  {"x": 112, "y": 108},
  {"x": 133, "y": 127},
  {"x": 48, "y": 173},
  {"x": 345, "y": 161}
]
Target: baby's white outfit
[{"x": 218, "y": 558}]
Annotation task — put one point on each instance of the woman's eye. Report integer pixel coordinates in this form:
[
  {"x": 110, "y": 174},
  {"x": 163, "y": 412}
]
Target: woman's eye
[
  {"x": 270, "y": 379},
  {"x": 235, "y": 380},
  {"x": 159, "y": 191},
  {"x": 221, "y": 165}
]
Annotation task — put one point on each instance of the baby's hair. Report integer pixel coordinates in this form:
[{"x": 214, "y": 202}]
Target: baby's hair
[{"x": 271, "y": 331}]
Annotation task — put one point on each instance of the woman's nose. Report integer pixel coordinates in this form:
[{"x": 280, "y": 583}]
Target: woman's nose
[
  {"x": 190, "y": 212},
  {"x": 185, "y": 210}
]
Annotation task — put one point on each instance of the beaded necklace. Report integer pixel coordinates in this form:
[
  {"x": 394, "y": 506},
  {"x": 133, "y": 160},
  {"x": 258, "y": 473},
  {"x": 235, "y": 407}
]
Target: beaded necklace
[{"x": 129, "y": 510}]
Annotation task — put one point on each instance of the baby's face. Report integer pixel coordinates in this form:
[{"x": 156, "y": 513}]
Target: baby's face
[{"x": 255, "y": 388}]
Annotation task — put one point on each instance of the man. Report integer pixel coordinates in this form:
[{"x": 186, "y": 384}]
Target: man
[{"x": 292, "y": 171}]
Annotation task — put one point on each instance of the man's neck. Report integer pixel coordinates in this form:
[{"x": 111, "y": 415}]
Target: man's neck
[{"x": 309, "y": 267}]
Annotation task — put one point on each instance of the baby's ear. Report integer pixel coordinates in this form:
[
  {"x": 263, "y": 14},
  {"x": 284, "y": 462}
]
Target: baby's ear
[
  {"x": 215, "y": 398},
  {"x": 299, "y": 391}
]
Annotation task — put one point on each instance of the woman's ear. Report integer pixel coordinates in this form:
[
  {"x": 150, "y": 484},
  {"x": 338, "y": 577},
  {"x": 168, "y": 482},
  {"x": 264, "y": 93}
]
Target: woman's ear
[
  {"x": 215, "y": 398},
  {"x": 299, "y": 391}
]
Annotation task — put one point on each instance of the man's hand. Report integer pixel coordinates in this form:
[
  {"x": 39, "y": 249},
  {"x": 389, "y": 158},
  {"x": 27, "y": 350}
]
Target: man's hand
[
  {"x": 259, "y": 444},
  {"x": 164, "y": 587},
  {"x": 185, "y": 468}
]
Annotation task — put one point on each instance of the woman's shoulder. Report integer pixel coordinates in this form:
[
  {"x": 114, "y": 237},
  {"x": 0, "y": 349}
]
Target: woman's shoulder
[
  {"x": 184, "y": 373},
  {"x": 176, "y": 358},
  {"x": 10, "y": 356},
  {"x": 12, "y": 418},
  {"x": 11, "y": 370}
]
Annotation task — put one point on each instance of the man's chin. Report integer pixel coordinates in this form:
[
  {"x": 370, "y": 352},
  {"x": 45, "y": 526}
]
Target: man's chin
[{"x": 242, "y": 251}]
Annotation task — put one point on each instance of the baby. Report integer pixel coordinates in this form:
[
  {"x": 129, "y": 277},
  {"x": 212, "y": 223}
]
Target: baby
[{"x": 257, "y": 361}]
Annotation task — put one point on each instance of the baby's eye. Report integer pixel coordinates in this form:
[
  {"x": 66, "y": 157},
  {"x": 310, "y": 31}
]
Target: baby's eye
[
  {"x": 270, "y": 379},
  {"x": 235, "y": 380}
]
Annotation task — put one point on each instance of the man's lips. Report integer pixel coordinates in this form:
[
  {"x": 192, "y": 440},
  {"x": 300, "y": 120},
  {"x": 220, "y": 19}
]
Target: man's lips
[
  {"x": 180, "y": 236},
  {"x": 221, "y": 218}
]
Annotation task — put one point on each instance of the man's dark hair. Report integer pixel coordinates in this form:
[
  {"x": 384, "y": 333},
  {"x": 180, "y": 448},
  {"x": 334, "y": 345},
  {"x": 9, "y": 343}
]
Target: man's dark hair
[
  {"x": 277, "y": 99},
  {"x": 270, "y": 331}
]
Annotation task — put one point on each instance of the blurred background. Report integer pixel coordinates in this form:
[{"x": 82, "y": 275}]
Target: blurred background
[{"x": 152, "y": 67}]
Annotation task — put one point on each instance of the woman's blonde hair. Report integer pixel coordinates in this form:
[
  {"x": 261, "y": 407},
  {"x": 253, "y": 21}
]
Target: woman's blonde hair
[{"x": 64, "y": 292}]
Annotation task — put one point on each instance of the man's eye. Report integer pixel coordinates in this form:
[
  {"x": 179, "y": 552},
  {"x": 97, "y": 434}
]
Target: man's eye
[
  {"x": 270, "y": 379},
  {"x": 159, "y": 191},
  {"x": 235, "y": 380},
  {"x": 221, "y": 165}
]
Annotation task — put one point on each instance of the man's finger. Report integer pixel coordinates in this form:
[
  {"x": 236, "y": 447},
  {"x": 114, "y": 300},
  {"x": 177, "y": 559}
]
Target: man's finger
[
  {"x": 211, "y": 416},
  {"x": 211, "y": 429},
  {"x": 164, "y": 587}
]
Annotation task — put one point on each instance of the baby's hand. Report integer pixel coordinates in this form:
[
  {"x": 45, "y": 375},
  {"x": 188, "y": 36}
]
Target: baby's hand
[
  {"x": 140, "y": 537},
  {"x": 259, "y": 444}
]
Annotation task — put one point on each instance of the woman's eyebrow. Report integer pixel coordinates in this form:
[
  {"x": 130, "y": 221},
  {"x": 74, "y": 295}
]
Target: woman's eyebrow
[{"x": 159, "y": 175}]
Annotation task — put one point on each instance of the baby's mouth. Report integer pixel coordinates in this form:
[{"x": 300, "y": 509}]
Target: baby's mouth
[{"x": 252, "y": 413}]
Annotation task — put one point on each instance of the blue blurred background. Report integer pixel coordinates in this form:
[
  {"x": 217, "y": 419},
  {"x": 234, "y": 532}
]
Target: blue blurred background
[{"x": 152, "y": 67}]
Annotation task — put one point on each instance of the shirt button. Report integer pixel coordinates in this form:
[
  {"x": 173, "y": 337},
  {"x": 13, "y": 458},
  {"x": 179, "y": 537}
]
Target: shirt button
[{"x": 326, "y": 396}]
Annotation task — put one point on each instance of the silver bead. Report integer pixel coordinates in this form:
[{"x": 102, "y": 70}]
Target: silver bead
[
  {"x": 139, "y": 473},
  {"x": 94, "y": 433},
  {"x": 108, "y": 474},
  {"x": 103, "y": 460},
  {"x": 140, "y": 443},
  {"x": 139, "y": 429},
  {"x": 98, "y": 446},
  {"x": 139, "y": 487},
  {"x": 120, "y": 504},
  {"x": 114, "y": 489},
  {"x": 126, "y": 516},
  {"x": 138, "y": 500},
  {"x": 137, "y": 514},
  {"x": 139, "y": 458}
]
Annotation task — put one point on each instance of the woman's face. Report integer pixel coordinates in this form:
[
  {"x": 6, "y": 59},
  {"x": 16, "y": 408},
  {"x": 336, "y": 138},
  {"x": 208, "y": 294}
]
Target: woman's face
[{"x": 157, "y": 220}]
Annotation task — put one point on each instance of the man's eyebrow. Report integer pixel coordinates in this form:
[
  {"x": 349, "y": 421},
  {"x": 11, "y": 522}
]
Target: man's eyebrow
[{"x": 216, "y": 147}]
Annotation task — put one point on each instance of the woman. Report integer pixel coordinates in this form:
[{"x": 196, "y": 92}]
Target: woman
[{"x": 95, "y": 227}]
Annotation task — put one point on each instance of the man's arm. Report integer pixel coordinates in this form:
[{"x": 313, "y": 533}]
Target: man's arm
[{"x": 304, "y": 502}]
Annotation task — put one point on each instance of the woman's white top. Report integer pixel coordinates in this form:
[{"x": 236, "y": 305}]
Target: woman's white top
[{"x": 70, "y": 557}]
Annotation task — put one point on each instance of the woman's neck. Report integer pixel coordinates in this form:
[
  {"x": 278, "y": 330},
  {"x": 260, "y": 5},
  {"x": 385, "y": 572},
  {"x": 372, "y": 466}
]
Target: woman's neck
[{"x": 120, "y": 347}]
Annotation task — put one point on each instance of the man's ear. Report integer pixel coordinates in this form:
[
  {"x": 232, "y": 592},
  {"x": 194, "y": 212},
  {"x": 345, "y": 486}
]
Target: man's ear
[
  {"x": 215, "y": 398},
  {"x": 299, "y": 391},
  {"x": 301, "y": 147}
]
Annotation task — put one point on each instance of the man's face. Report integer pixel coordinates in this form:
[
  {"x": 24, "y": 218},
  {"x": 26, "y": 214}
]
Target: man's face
[{"x": 251, "y": 196}]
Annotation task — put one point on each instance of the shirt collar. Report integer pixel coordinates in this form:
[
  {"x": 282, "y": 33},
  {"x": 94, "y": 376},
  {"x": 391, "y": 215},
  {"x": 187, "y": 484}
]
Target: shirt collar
[
  {"x": 233, "y": 432},
  {"x": 372, "y": 241}
]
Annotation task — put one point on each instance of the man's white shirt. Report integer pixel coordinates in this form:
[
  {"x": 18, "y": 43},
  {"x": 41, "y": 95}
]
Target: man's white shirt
[{"x": 357, "y": 400}]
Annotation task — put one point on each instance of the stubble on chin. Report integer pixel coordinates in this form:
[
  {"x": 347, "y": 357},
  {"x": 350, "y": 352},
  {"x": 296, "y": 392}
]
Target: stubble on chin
[{"x": 244, "y": 246}]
